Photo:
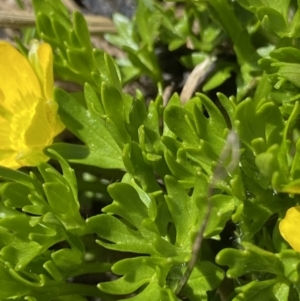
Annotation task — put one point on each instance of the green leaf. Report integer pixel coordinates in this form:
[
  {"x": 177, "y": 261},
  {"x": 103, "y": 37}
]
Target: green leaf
[
  {"x": 180, "y": 122},
  {"x": 68, "y": 172},
  {"x": 221, "y": 211},
  {"x": 229, "y": 105},
  {"x": 154, "y": 292},
  {"x": 92, "y": 100},
  {"x": 16, "y": 194},
  {"x": 183, "y": 211},
  {"x": 10, "y": 286},
  {"x": 138, "y": 45},
  {"x": 273, "y": 289},
  {"x": 272, "y": 20},
  {"x": 214, "y": 126},
  {"x": 120, "y": 236},
  {"x": 179, "y": 169},
  {"x": 137, "y": 165},
  {"x": 148, "y": 23},
  {"x": 222, "y": 73},
  {"x": 68, "y": 260},
  {"x": 137, "y": 116},
  {"x": 77, "y": 154},
  {"x": 135, "y": 273},
  {"x": 114, "y": 110},
  {"x": 62, "y": 202},
  {"x": 125, "y": 31},
  {"x": 17, "y": 176},
  {"x": 265, "y": 122},
  {"x": 290, "y": 72},
  {"x": 127, "y": 204},
  {"x": 18, "y": 247},
  {"x": 205, "y": 277},
  {"x": 245, "y": 51},
  {"x": 71, "y": 40},
  {"x": 251, "y": 258},
  {"x": 88, "y": 127},
  {"x": 108, "y": 70}
]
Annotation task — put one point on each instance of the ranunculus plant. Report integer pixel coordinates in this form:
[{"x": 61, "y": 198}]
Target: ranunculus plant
[{"x": 181, "y": 197}]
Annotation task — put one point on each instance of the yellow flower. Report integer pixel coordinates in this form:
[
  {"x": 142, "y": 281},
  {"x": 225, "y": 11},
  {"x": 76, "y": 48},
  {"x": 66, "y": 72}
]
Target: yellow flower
[
  {"x": 289, "y": 227},
  {"x": 28, "y": 115}
]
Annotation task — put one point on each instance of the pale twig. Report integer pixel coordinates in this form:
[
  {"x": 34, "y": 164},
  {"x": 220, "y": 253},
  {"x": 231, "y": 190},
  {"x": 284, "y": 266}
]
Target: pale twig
[
  {"x": 21, "y": 19},
  {"x": 230, "y": 150},
  {"x": 167, "y": 94},
  {"x": 196, "y": 77},
  {"x": 71, "y": 5}
]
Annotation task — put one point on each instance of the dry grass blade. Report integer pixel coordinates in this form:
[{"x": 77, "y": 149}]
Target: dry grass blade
[
  {"x": 197, "y": 76},
  {"x": 71, "y": 5},
  {"x": 21, "y": 19}
]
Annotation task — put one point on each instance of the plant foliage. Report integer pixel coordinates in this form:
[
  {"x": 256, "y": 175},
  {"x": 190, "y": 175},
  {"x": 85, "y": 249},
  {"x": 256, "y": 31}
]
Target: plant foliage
[{"x": 173, "y": 168}]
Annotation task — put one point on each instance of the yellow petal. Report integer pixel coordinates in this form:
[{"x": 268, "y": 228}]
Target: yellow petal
[
  {"x": 17, "y": 79},
  {"x": 5, "y": 131},
  {"x": 45, "y": 124},
  {"x": 53, "y": 118},
  {"x": 8, "y": 159},
  {"x": 46, "y": 60},
  {"x": 41, "y": 59},
  {"x": 289, "y": 227},
  {"x": 39, "y": 133},
  {"x": 28, "y": 116},
  {"x": 30, "y": 157}
]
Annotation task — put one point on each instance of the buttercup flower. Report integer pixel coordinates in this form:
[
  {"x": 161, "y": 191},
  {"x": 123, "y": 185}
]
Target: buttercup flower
[
  {"x": 289, "y": 227},
  {"x": 28, "y": 115}
]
